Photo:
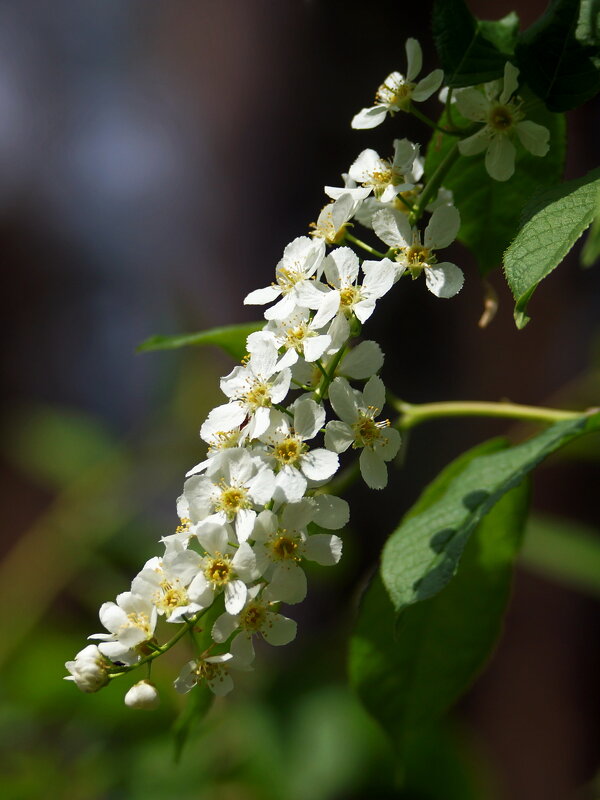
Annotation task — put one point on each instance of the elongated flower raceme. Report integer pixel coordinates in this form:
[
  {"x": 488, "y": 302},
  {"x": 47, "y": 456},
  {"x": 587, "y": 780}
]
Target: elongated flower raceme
[{"x": 259, "y": 505}]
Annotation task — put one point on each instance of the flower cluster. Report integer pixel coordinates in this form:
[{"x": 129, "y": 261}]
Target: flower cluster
[{"x": 262, "y": 502}]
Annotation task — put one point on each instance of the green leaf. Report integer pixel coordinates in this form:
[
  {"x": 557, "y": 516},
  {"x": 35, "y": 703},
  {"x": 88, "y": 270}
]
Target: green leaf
[
  {"x": 565, "y": 551},
  {"x": 408, "y": 671},
  {"x": 555, "y": 219},
  {"x": 558, "y": 55},
  {"x": 490, "y": 210},
  {"x": 422, "y": 555},
  {"x": 471, "y": 51},
  {"x": 231, "y": 338},
  {"x": 591, "y": 249}
]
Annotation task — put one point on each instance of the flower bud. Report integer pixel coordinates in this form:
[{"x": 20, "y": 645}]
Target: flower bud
[
  {"x": 89, "y": 670},
  {"x": 142, "y": 695}
]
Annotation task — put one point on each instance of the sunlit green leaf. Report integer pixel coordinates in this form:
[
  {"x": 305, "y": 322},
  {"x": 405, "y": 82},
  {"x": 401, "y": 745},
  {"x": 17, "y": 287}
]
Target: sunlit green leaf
[
  {"x": 409, "y": 670},
  {"x": 470, "y": 50},
  {"x": 555, "y": 219},
  {"x": 591, "y": 249},
  {"x": 490, "y": 210},
  {"x": 231, "y": 338},
  {"x": 422, "y": 555}
]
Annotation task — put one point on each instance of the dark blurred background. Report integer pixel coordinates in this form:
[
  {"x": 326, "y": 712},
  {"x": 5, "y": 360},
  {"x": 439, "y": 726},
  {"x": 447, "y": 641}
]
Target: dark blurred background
[{"x": 155, "y": 158}]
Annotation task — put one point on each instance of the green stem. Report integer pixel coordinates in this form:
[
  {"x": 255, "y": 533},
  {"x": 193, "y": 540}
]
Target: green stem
[
  {"x": 349, "y": 237},
  {"x": 434, "y": 183},
  {"x": 329, "y": 375},
  {"x": 411, "y": 415},
  {"x": 160, "y": 650},
  {"x": 419, "y": 115}
]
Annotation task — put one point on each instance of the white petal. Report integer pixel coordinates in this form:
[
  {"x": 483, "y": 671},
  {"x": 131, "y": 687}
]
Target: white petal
[
  {"x": 235, "y": 596},
  {"x": 244, "y": 522},
  {"x": 212, "y": 537},
  {"x": 328, "y": 308},
  {"x": 221, "y": 684},
  {"x": 338, "y": 436},
  {"x": 393, "y": 228},
  {"x": 320, "y": 464},
  {"x": 533, "y": 137},
  {"x": 472, "y": 104},
  {"x": 260, "y": 296},
  {"x": 280, "y": 630},
  {"x": 224, "y": 626},
  {"x": 475, "y": 144},
  {"x": 242, "y": 650},
  {"x": 379, "y": 277},
  {"x": 369, "y": 117},
  {"x": 281, "y": 386},
  {"x": 363, "y": 361},
  {"x": 374, "y": 393},
  {"x": 343, "y": 400},
  {"x": 287, "y": 585},
  {"x": 500, "y": 158},
  {"x": 442, "y": 228},
  {"x": 261, "y": 487},
  {"x": 414, "y": 59},
  {"x": 290, "y": 486},
  {"x": 332, "y": 512},
  {"x": 315, "y": 347},
  {"x": 244, "y": 562},
  {"x": 309, "y": 417},
  {"x": 444, "y": 280},
  {"x": 323, "y": 548},
  {"x": 511, "y": 82},
  {"x": 341, "y": 267},
  {"x": 373, "y": 469},
  {"x": 284, "y": 308},
  {"x": 391, "y": 444},
  {"x": 428, "y": 85},
  {"x": 297, "y": 515},
  {"x": 367, "y": 162}
]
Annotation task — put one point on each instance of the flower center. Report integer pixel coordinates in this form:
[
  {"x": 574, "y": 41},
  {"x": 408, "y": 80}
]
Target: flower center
[
  {"x": 349, "y": 296},
  {"x": 185, "y": 525},
  {"x": 232, "y": 500},
  {"x": 501, "y": 118},
  {"x": 294, "y": 337},
  {"x": 253, "y": 617},
  {"x": 218, "y": 570},
  {"x": 284, "y": 547},
  {"x": 367, "y": 432},
  {"x": 396, "y": 94},
  {"x": 225, "y": 439},
  {"x": 258, "y": 396},
  {"x": 138, "y": 620},
  {"x": 172, "y": 596},
  {"x": 417, "y": 255},
  {"x": 287, "y": 278},
  {"x": 289, "y": 451}
]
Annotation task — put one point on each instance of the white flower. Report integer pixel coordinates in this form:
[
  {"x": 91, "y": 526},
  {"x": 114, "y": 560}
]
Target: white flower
[
  {"x": 224, "y": 569},
  {"x": 143, "y": 695},
  {"x": 397, "y": 92},
  {"x": 300, "y": 336},
  {"x": 502, "y": 114},
  {"x": 291, "y": 457},
  {"x": 212, "y": 669},
  {"x": 257, "y": 618},
  {"x": 444, "y": 279},
  {"x": 281, "y": 542},
  {"x": 163, "y": 586},
  {"x": 331, "y": 223},
  {"x": 386, "y": 179},
  {"x": 235, "y": 483},
  {"x": 88, "y": 670},
  {"x": 301, "y": 260},
  {"x": 347, "y": 297},
  {"x": 131, "y": 621},
  {"x": 252, "y": 389},
  {"x": 359, "y": 428}
]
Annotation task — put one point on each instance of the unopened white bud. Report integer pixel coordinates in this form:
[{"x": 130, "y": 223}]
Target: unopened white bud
[
  {"x": 142, "y": 695},
  {"x": 89, "y": 670}
]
